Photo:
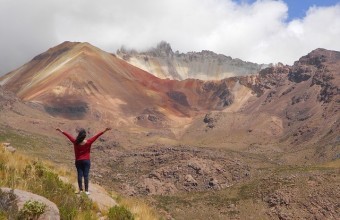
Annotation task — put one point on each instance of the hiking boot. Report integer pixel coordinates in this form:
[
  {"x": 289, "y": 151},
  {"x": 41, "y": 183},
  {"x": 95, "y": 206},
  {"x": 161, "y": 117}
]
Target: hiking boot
[{"x": 87, "y": 192}]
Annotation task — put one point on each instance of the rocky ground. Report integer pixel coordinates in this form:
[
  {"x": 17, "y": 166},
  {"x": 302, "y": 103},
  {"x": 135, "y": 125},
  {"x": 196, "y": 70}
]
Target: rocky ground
[
  {"x": 167, "y": 170},
  {"x": 187, "y": 182}
]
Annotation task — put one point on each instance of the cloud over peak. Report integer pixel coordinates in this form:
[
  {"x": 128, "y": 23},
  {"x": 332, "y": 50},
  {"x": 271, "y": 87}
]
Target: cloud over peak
[{"x": 258, "y": 32}]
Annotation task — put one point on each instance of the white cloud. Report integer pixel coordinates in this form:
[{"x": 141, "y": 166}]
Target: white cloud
[
  {"x": 256, "y": 32},
  {"x": 319, "y": 29}
]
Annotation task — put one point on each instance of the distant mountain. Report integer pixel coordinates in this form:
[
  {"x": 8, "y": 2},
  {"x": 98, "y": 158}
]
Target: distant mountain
[{"x": 206, "y": 65}]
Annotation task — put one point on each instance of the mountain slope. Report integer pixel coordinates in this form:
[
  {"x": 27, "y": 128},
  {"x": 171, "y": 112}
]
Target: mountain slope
[
  {"x": 295, "y": 108},
  {"x": 287, "y": 106},
  {"x": 78, "y": 80}
]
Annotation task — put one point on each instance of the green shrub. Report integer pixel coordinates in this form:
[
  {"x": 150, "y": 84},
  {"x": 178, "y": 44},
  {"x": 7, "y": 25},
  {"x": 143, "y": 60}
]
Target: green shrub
[
  {"x": 32, "y": 210},
  {"x": 120, "y": 213}
]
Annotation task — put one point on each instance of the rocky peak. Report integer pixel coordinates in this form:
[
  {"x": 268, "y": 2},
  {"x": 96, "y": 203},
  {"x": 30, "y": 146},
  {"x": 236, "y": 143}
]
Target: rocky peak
[
  {"x": 205, "y": 65},
  {"x": 322, "y": 52},
  {"x": 318, "y": 57},
  {"x": 66, "y": 46},
  {"x": 163, "y": 49},
  {"x": 56, "y": 51}
]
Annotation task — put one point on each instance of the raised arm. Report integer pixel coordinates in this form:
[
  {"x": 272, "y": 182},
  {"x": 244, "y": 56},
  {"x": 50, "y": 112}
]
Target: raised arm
[
  {"x": 70, "y": 137},
  {"x": 94, "y": 138}
]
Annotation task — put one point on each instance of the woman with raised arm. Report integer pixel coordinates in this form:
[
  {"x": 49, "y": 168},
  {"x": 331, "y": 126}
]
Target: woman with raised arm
[{"x": 82, "y": 149}]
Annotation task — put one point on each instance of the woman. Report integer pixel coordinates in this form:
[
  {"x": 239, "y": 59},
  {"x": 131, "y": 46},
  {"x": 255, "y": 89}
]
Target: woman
[{"x": 82, "y": 149}]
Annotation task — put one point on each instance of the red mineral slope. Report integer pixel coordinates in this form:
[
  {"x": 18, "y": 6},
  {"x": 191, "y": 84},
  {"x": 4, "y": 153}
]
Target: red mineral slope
[{"x": 78, "y": 80}]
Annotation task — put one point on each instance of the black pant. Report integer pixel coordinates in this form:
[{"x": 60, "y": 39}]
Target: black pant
[{"x": 83, "y": 170}]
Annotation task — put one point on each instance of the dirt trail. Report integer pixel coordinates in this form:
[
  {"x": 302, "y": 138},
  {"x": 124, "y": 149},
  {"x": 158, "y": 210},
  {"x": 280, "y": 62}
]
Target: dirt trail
[
  {"x": 97, "y": 194},
  {"x": 101, "y": 197}
]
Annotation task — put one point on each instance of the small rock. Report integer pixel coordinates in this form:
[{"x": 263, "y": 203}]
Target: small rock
[
  {"x": 190, "y": 180},
  {"x": 155, "y": 175},
  {"x": 6, "y": 144},
  {"x": 10, "y": 149},
  {"x": 213, "y": 183},
  {"x": 196, "y": 167},
  {"x": 231, "y": 206}
]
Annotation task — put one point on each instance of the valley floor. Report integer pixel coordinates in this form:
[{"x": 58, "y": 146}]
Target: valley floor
[{"x": 186, "y": 182}]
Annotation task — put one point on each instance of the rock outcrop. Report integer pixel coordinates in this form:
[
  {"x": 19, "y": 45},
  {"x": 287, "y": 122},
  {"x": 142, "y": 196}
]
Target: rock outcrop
[{"x": 304, "y": 95}]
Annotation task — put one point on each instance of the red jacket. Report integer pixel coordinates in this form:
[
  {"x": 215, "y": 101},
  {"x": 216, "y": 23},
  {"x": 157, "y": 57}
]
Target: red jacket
[{"x": 82, "y": 152}]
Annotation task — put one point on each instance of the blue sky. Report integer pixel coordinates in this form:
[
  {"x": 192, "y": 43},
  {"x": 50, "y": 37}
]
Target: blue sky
[
  {"x": 297, "y": 8},
  {"x": 262, "y": 31}
]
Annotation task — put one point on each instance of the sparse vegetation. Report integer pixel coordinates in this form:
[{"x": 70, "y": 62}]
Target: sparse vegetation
[
  {"x": 247, "y": 191},
  {"x": 23, "y": 141},
  {"x": 120, "y": 213},
  {"x": 165, "y": 201},
  {"x": 139, "y": 208}
]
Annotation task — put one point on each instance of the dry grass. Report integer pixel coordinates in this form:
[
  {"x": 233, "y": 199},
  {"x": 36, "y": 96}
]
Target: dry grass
[
  {"x": 30, "y": 174},
  {"x": 25, "y": 173},
  {"x": 138, "y": 207},
  {"x": 332, "y": 164},
  {"x": 16, "y": 163},
  {"x": 11, "y": 166}
]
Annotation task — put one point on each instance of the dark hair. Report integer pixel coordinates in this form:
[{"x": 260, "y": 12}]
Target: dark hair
[{"x": 81, "y": 136}]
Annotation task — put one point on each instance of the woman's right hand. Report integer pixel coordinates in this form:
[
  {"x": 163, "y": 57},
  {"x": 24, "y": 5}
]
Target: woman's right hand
[
  {"x": 107, "y": 129},
  {"x": 58, "y": 129}
]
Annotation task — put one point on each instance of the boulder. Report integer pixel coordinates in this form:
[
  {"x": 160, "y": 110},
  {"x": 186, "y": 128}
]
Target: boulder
[{"x": 51, "y": 210}]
